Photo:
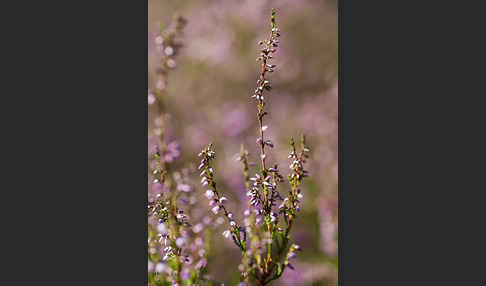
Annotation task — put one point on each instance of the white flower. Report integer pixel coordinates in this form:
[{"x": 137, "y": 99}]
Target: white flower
[
  {"x": 150, "y": 266},
  {"x": 160, "y": 267},
  {"x": 226, "y": 233},
  {"x": 246, "y": 212},
  {"x": 222, "y": 200},
  {"x": 159, "y": 40},
  {"x": 197, "y": 228},
  {"x": 169, "y": 51},
  {"x": 171, "y": 63},
  {"x": 151, "y": 98},
  {"x": 232, "y": 223},
  {"x": 180, "y": 242},
  {"x": 162, "y": 228},
  {"x": 264, "y": 127},
  {"x": 209, "y": 194},
  {"x": 215, "y": 210}
]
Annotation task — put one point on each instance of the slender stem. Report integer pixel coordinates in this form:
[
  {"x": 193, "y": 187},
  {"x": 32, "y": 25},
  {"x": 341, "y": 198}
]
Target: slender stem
[
  {"x": 266, "y": 202},
  {"x": 260, "y": 114}
]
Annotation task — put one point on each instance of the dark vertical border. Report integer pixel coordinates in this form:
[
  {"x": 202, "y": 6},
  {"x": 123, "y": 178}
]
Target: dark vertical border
[
  {"x": 76, "y": 88},
  {"x": 403, "y": 79}
]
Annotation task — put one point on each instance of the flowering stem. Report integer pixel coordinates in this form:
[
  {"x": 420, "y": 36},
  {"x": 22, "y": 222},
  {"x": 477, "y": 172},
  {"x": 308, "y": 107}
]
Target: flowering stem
[
  {"x": 261, "y": 105},
  {"x": 208, "y": 179},
  {"x": 167, "y": 209},
  {"x": 262, "y": 85}
]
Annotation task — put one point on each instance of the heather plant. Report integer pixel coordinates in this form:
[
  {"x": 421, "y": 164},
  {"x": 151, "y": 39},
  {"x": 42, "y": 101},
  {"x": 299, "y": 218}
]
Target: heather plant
[
  {"x": 178, "y": 242},
  {"x": 263, "y": 237},
  {"x": 198, "y": 91}
]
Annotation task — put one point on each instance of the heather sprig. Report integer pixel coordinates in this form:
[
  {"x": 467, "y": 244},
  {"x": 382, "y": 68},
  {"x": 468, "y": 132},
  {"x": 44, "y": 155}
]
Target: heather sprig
[
  {"x": 268, "y": 251},
  {"x": 168, "y": 44},
  {"x": 216, "y": 200},
  {"x": 178, "y": 242},
  {"x": 263, "y": 84}
]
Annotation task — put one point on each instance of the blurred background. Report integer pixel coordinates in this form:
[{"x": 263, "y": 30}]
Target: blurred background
[{"x": 209, "y": 100}]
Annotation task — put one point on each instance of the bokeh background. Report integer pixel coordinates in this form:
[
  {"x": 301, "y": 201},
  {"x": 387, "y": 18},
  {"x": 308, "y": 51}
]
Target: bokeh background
[{"x": 209, "y": 101}]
